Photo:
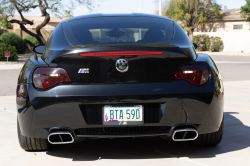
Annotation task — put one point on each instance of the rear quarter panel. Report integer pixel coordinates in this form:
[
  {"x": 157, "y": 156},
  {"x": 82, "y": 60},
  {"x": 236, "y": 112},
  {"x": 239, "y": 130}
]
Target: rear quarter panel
[
  {"x": 22, "y": 94},
  {"x": 199, "y": 113}
]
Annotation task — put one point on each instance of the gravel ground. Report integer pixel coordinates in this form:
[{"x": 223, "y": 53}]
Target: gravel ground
[{"x": 24, "y": 57}]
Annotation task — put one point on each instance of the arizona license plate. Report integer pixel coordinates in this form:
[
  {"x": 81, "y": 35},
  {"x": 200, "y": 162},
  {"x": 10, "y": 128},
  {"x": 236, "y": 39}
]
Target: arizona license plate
[{"x": 123, "y": 115}]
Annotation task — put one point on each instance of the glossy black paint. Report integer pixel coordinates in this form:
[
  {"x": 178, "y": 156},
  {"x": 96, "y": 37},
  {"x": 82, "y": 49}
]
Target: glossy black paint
[
  {"x": 195, "y": 45},
  {"x": 185, "y": 104},
  {"x": 57, "y": 44},
  {"x": 160, "y": 30},
  {"x": 102, "y": 69},
  {"x": 181, "y": 103},
  {"x": 25, "y": 75}
]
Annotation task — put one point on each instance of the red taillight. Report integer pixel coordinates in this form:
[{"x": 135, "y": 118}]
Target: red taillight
[
  {"x": 122, "y": 53},
  {"x": 44, "y": 78},
  {"x": 196, "y": 74}
]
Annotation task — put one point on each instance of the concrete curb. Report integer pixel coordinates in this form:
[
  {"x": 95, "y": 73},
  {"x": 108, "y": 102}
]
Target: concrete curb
[{"x": 11, "y": 63}]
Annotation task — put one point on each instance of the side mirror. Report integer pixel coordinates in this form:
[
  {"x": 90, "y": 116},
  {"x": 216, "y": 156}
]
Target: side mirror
[
  {"x": 195, "y": 45},
  {"x": 38, "y": 49}
]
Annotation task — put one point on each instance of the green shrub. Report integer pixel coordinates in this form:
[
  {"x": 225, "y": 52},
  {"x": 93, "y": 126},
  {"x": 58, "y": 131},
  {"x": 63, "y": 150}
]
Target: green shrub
[
  {"x": 13, "y": 52},
  {"x": 32, "y": 41},
  {"x": 214, "y": 44},
  {"x": 14, "y": 40},
  {"x": 195, "y": 39},
  {"x": 200, "y": 40}
]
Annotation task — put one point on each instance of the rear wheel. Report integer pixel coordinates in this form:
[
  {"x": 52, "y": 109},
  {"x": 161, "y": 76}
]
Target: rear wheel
[
  {"x": 32, "y": 144},
  {"x": 210, "y": 139}
]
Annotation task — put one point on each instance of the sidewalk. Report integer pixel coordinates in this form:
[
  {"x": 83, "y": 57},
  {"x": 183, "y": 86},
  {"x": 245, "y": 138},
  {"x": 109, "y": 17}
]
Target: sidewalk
[
  {"x": 224, "y": 53},
  {"x": 11, "y": 66},
  {"x": 21, "y": 60}
]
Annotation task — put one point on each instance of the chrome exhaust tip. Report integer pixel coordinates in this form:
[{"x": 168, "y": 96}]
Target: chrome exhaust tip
[
  {"x": 184, "y": 135},
  {"x": 60, "y": 138}
]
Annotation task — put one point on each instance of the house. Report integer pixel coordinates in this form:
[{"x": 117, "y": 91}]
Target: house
[
  {"x": 233, "y": 30},
  {"x": 230, "y": 22}
]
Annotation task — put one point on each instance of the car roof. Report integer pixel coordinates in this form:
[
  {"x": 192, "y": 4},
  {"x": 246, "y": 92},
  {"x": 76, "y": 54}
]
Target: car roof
[{"x": 115, "y": 15}]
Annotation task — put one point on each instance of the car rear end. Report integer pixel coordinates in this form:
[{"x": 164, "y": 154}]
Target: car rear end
[{"x": 119, "y": 76}]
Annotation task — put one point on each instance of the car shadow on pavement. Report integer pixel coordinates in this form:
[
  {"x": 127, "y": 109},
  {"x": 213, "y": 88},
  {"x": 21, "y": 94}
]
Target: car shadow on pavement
[{"x": 236, "y": 137}]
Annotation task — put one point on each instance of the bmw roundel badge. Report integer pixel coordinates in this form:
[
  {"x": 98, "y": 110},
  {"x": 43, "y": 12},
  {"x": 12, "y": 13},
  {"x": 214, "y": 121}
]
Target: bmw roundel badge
[{"x": 122, "y": 65}]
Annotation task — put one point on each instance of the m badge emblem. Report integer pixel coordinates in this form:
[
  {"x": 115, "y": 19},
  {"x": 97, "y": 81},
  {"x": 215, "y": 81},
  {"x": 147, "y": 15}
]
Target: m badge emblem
[{"x": 83, "y": 70}]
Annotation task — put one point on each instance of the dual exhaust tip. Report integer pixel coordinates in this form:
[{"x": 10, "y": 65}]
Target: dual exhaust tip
[
  {"x": 63, "y": 137},
  {"x": 67, "y": 137},
  {"x": 184, "y": 135}
]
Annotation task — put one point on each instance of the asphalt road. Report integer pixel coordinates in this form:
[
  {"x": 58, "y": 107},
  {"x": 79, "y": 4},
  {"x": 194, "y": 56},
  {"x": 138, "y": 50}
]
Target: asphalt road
[{"x": 232, "y": 68}]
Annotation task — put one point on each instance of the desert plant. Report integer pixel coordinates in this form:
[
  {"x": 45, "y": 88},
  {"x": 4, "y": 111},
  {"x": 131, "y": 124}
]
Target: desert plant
[
  {"x": 191, "y": 13},
  {"x": 13, "y": 52},
  {"x": 57, "y": 8},
  {"x": 200, "y": 40},
  {"x": 214, "y": 44},
  {"x": 14, "y": 40},
  {"x": 32, "y": 41}
]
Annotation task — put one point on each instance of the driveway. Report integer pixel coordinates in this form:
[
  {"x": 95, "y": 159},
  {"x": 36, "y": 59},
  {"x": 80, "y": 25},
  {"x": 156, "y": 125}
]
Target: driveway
[{"x": 233, "y": 150}]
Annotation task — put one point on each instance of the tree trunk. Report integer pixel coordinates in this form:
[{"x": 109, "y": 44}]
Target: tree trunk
[
  {"x": 190, "y": 35},
  {"x": 20, "y": 8},
  {"x": 39, "y": 27},
  {"x": 39, "y": 38}
]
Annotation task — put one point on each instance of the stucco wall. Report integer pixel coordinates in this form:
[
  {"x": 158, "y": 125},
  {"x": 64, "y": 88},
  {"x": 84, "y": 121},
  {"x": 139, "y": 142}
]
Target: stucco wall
[
  {"x": 223, "y": 26},
  {"x": 233, "y": 41}
]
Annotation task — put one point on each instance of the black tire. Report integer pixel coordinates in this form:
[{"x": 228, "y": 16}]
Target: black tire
[
  {"x": 32, "y": 144},
  {"x": 210, "y": 139}
]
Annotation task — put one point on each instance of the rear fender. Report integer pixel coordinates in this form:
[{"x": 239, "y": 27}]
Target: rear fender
[
  {"x": 215, "y": 74},
  {"x": 215, "y": 110},
  {"x": 22, "y": 95},
  {"x": 25, "y": 76}
]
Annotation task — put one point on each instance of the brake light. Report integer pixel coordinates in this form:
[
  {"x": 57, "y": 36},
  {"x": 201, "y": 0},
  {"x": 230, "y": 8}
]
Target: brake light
[
  {"x": 122, "y": 53},
  {"x": 196, "y": 74},
  {"x": 44, "y": 78}
]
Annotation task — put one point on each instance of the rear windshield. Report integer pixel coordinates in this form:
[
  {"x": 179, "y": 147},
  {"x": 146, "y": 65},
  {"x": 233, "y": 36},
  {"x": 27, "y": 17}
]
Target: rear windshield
[{"x": 118, "y": 31}]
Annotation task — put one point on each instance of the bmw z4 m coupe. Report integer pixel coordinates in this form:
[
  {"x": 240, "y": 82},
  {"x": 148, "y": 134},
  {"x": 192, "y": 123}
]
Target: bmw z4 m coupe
[{"x": 118, "y": 75}]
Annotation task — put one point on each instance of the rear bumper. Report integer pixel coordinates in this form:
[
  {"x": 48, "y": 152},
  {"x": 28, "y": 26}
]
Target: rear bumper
[
  {"x": 123, "y": 135},
  {"x": 180, "y": 103}
]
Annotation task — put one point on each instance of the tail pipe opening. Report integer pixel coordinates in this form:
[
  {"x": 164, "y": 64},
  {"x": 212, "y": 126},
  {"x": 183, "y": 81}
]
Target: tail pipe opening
[
  {"x": 60, "y": 138},
  {"x": 184, "y": 135}
]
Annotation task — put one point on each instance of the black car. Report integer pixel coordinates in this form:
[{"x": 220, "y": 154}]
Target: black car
[{"x": 111, "y": 76}]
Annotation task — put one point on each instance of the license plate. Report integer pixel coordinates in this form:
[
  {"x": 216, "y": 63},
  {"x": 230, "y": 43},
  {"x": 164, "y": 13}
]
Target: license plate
[{"x": 122, "y": 115}]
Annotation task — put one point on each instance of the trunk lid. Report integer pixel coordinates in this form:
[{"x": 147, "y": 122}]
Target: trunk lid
[{"x": 103, "y": 69}]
